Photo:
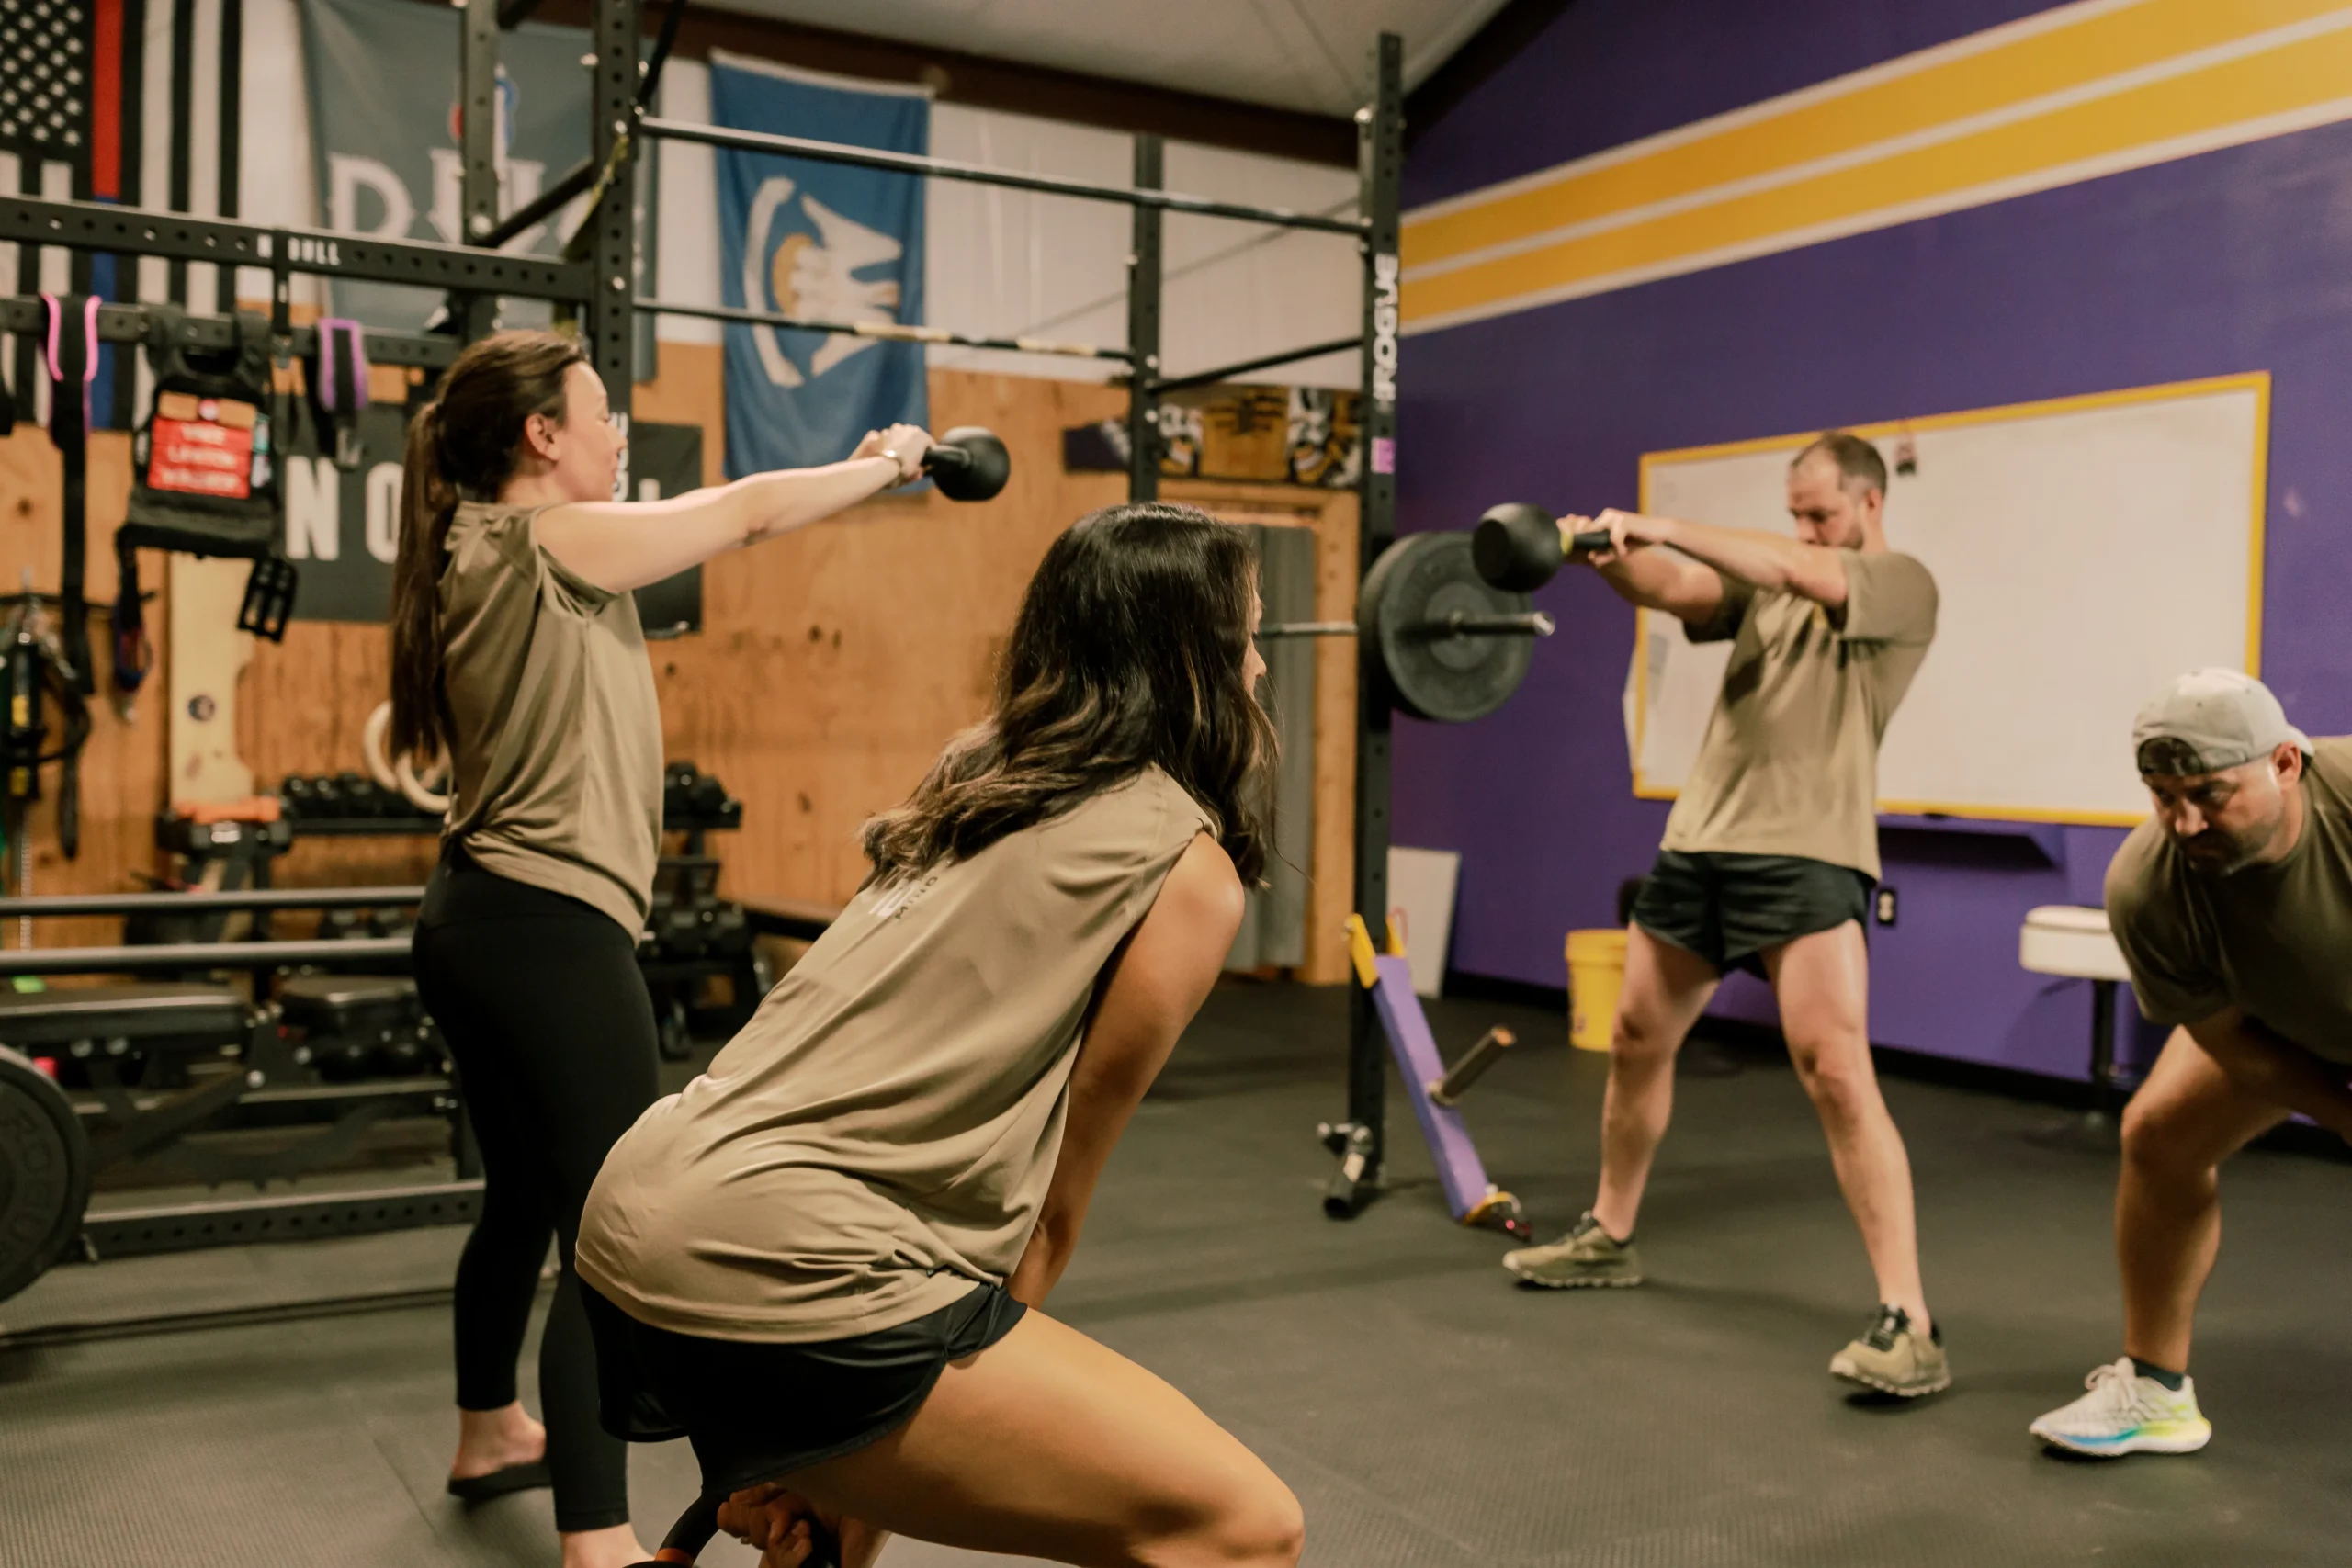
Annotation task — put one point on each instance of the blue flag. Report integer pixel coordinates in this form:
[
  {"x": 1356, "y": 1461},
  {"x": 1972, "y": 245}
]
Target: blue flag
[{"x": 822, "y": 242}]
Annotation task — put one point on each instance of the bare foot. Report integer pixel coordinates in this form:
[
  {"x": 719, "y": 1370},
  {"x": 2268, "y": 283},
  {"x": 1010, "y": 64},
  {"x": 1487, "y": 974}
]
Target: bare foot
[
  {"x": 613, "y": 1548},
  {"x": 490, "y": 1440}
]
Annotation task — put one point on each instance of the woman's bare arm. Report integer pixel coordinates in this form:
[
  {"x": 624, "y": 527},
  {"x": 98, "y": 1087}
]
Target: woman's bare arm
[
  {"x": 1156, "y": 986},
  {"x": 620, "y": 545}
]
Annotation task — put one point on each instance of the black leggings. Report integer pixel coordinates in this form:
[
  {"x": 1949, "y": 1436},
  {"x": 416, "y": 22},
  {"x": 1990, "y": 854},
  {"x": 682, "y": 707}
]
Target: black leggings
[{"x": 548, "y": 1016}]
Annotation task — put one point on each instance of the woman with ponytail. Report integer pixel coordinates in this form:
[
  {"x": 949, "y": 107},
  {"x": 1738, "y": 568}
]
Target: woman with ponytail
[{"x": 516, "y": 653}]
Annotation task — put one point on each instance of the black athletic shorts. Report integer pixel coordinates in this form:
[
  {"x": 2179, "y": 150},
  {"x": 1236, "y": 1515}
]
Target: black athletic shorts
[
  {"x": 755, "y": 1411},
  {"x": 1729, "y": 909}
]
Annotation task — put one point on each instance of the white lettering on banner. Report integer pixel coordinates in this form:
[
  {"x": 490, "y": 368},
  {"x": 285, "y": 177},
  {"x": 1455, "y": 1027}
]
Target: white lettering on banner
[
  {"x": 518, "y": 186},
  {"x": 1384, "y": 329},
  {"x": 384, "y": 510},
  {"x": 349, "y": 174},
  {"x": 313, "y": 509}
]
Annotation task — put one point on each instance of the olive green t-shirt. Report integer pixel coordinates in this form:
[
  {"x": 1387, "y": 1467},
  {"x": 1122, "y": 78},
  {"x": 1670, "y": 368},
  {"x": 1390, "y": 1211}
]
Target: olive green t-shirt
[
  {"x": 879, "y": 1138},
  {"x": 1789, "y": 763},
  {"x": 556, "y": 755},
  {"x": 2271, "y": 941}
]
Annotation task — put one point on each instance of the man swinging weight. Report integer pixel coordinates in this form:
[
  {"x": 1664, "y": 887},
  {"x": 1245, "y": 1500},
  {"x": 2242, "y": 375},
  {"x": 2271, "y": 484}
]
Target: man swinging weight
[{"x": 1769, "y": 861}]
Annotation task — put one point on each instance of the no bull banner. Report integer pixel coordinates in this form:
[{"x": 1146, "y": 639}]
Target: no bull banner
[
  {"x": 821, "y": 242},
  {"x": 342, "y": 524}
]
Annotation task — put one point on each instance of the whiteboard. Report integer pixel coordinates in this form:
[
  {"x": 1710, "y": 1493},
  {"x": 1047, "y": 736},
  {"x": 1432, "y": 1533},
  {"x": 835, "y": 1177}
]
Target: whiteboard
[{"x": 2087, "y": 551}]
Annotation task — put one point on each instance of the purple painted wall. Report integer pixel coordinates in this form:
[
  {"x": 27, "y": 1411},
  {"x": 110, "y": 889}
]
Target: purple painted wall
[{"x": 2234, "y": 261}]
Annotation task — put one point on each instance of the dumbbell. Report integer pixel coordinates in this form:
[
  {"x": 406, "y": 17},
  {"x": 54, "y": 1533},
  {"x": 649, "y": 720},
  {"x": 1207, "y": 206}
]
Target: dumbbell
[
  {"x": 296, "y": 795},
  {"x": 968, "y": 463},
  {"x": 362, "y": 797},
  {"x": 678, "y": 790},
  {"x": 729, "y": 930},
  {"x": 1517, "y": 547}
]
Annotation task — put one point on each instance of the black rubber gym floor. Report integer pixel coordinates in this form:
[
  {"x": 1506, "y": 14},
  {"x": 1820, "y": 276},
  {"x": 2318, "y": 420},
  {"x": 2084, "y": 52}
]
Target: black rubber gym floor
[{"x": 1427, "y": 1411}]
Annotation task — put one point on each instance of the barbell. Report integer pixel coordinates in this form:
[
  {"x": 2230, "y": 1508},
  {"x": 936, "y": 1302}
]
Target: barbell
[
  {"x": 1438, "y": 641},
  {"x": 967, "y": 463}
]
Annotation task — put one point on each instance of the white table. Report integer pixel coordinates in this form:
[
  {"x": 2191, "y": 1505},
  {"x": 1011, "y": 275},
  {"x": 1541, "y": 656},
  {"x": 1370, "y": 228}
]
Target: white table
[{"x": 2069, "y": 939}]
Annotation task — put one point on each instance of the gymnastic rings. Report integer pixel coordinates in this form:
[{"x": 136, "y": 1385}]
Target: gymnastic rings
[{"x": 399, "y": 774}]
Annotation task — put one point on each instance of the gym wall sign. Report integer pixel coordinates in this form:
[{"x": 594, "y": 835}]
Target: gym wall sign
[
  {"x": 1301, "y": 435},
  {"x": 342, "y": 524}
]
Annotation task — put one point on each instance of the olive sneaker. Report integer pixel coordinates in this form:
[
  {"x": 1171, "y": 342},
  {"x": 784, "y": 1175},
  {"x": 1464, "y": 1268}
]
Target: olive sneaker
[
  {"x": 1587, "y": 1255},
  {"x": 1894, "y": 1357},
  {"x": 2125, "y": 1413}
]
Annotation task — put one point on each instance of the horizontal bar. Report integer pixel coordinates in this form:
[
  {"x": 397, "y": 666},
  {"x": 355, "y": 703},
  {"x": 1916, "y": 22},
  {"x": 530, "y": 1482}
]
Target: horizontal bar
[
  {"x": 1534, "y": 623},
  {"x": 374, "y": 952},
  {"x": 131, "y": 231},
  {"x": 1307, "y": 628},
  {"x": 891, "y": 331},
  {"x": 127, "y": 1232},
  {"x": 980, "y": 174},
  {"x": 131, "y": 324},
  {"x": 44, "y": 904},
  {"x": 48, "y": 1335},
  {"x": 1226, "y": 372}
]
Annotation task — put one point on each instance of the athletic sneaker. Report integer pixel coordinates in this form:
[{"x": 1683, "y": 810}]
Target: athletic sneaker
[
  {"x": 1586, "y": 1255},
  {"x": 2125, "y": 1413},
  {"x": 1894, "y": 1357}
]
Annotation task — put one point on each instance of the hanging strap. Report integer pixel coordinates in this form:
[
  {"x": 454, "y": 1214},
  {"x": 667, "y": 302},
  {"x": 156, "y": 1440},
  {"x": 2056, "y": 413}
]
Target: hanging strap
[
  {"x": 339, "y": 384},
  {"x": 73, "y": 366}
]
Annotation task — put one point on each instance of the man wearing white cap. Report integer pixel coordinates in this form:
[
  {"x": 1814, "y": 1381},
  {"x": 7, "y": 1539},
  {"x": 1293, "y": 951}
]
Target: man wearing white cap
[{"x": 2232, "y": 906}]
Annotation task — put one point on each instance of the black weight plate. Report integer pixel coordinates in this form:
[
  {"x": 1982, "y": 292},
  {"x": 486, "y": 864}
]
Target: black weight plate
[
  {"x": 1452, "y": 680},
  {"x": 44, "y": 1172}
]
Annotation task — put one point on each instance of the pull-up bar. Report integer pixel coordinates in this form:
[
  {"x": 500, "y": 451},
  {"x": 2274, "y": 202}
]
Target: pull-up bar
[
  {"x": 980, "y": 174},
  {"x": 894, "y": 331}
]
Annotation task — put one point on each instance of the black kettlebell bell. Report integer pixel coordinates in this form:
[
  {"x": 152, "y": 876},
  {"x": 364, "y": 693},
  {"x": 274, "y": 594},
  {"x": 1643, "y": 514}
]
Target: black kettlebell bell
[
  {"x": 968, "y": 463},
  {"x": 1516, "y": 548}
]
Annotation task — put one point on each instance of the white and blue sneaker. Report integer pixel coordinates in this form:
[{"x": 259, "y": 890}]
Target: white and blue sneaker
[{"x": 2125, "y": 1413}]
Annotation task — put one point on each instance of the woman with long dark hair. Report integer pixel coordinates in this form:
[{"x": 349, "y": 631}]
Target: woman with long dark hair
[
  {"x": 819, "y": 1261},
  {"x": 516, "y": 653}
]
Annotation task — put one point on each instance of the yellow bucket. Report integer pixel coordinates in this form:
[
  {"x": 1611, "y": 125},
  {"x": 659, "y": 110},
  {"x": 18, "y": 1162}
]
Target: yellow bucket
[{"x": 1596, "y": 974}]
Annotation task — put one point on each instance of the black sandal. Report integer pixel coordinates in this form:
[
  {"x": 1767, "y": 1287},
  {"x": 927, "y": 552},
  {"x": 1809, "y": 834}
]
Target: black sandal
[{"x": 499, "y": 1483}]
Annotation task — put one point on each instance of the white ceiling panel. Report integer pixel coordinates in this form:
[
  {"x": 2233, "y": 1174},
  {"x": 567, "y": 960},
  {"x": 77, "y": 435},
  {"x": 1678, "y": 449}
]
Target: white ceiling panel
[{"x": 1309, "y": 55}]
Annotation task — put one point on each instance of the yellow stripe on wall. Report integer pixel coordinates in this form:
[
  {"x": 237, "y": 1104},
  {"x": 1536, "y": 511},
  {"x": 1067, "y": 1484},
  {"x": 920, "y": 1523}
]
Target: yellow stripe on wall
[{"x": 2121, "y": 86}]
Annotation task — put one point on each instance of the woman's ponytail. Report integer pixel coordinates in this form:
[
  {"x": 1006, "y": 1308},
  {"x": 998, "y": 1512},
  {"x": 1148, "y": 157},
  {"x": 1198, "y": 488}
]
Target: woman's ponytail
[
  {"x": 428, "y": 501},
  {"x": 462, "y": 446}
]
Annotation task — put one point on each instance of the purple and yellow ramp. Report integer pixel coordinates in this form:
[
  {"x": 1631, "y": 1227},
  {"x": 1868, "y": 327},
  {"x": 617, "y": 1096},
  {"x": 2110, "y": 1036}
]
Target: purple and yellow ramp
[{"x": 1471, "y": 1199}]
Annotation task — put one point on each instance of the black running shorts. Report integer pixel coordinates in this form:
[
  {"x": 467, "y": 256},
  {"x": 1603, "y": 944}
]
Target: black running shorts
[
  {"x": 1729, "y": 909},
  {"x": 755, "y": 1411}
]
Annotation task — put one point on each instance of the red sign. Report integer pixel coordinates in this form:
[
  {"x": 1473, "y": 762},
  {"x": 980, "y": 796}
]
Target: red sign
[{"x": 198, "y": 458}]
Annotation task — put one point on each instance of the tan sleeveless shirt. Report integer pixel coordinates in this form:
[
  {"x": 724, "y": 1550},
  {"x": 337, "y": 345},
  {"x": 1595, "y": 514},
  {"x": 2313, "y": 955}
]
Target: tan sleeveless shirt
[
  {"x": 879, "y": 1138},
  {"x": 557, "y": 754}
]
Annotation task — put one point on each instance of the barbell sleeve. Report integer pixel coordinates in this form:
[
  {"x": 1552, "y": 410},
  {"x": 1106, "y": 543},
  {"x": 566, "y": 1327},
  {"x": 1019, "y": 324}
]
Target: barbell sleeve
[
  {"x": 1534, "y": 623},
  {"x": 1307, "y": 628}
]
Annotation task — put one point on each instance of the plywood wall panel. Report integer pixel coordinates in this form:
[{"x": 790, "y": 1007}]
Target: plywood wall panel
[{"x": 832, "y": 665}]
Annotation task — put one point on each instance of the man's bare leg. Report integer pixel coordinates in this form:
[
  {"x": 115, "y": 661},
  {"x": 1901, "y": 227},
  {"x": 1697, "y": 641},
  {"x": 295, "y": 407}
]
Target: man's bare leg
[
  {"x": 1823, "y": 982},
  {"x": 2184, "y": 1121},
  {"x": 1666, "y": 988}
]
